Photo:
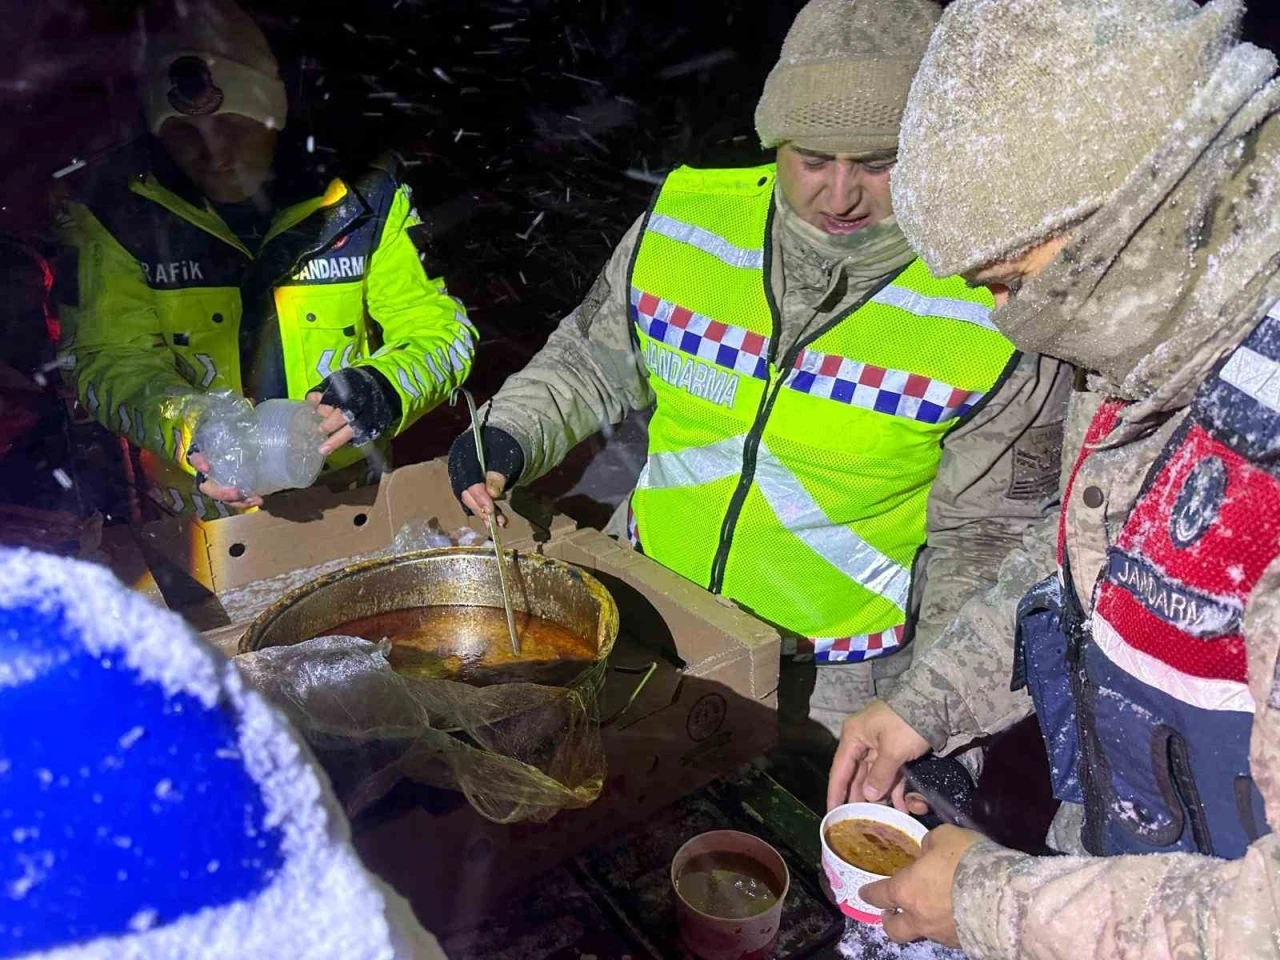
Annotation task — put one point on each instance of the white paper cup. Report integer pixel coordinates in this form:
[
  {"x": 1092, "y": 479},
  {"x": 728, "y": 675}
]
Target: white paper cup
[{"x": 847, "y": 880}]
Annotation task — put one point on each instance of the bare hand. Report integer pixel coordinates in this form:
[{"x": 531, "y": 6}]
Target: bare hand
[
  {"x": 216, "y": 491},
  {"x": 479, "y": 497},
  {"x": 334, "y": 425},
  {"x": 917, "y": 900},
  {"x": 874, "y": 744}
]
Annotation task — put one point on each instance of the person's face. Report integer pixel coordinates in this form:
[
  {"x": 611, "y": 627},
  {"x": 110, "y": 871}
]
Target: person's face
[
  {"x": 838, "y": 194},
  {"x": 226, "y": 155},
  {"x": 1004, "y": 278}
]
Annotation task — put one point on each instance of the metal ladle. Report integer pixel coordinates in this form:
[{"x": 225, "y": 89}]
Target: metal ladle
[{"x": 492, "y": 518}]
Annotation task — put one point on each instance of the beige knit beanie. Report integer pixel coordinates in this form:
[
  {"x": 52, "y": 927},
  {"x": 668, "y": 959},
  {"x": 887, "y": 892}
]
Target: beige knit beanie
[
  {"x": 841, "y": 82},
  {"x": 1027, "y": 115}
]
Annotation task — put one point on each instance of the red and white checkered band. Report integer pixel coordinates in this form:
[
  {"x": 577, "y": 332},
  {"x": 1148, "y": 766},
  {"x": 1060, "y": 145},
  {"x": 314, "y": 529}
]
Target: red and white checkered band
[
  {"x": 734, "y": 348},
  {"x": 868, "y": 646},
  {"x": 895, "y": 392}
]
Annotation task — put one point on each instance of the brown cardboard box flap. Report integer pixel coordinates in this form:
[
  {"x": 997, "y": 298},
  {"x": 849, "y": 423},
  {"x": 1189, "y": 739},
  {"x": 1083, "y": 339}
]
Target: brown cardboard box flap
[
  {"x": 716, "y": 637},
  {"x": 304, "y": 528}
]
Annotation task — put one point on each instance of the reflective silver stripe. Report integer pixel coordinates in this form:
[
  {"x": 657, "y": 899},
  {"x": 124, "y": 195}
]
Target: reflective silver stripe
[
  {"x": 917, "y": 303},
  {"x": 1254, "y": 375},
  {"x": 834, "y": 542},
  {"x": 210, "y": 371},
  {"x": 430, "y": 362},
  {"x": 455, "y": 359},
  {"x": 795, "y": 509},
  {"x": 692, "y": 467},
  {"x": 706, "y": 241},
  {"x": 442, "y": 358},
  {"x": 1202, "y": 692},
  {"x": 405, "y": 382}
]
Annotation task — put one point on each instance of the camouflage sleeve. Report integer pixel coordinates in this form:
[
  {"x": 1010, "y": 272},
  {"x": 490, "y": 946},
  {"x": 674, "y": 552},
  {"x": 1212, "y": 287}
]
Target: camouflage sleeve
[
  {"x": 1150, "y": 907},
  {"x": 959, "y": 688},
  {"x": 588, "y": 375},
  {"x": 998, "y": 476}
]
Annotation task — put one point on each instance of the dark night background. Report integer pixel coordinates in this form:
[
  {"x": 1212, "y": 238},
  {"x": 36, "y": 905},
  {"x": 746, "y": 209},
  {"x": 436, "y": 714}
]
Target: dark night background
[
  {"x": 533, "y": 133},
  {"x": 505, "y": 112}
]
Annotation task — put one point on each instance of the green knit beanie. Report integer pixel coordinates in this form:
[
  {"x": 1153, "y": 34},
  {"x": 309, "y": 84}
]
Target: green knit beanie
[
  {"x": 1026, "y": 116},
  {"x": 841, "y": 82}
]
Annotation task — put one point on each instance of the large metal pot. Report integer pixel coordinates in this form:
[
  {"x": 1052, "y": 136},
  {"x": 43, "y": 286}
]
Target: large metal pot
[
  {"x": 518, "y": 751},
  {"x": 454, "y": 576}
]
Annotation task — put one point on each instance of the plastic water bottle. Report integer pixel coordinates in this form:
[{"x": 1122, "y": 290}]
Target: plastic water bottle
[
  {"x": 288, "y": 436},
  {"x": 261, "y": 450}
]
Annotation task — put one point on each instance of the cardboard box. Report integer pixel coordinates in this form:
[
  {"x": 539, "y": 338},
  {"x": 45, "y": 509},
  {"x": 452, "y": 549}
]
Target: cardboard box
[
  {"x": 709, "y": 706},
  {"x": 193, "y": 562}
]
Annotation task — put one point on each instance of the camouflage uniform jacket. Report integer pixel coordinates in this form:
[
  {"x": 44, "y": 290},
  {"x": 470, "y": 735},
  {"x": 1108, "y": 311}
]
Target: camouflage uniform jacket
[
  {"x": 1192, "y": 296},
  {"x": 1009, "y": 904},
  {"x": 998, "y": 473}
]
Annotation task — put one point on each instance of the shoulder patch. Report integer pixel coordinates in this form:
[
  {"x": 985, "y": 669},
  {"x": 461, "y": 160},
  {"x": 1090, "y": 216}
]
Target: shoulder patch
[
  {"x": 1198, "y": 502},
  {"x": 1037, "y": 463}
]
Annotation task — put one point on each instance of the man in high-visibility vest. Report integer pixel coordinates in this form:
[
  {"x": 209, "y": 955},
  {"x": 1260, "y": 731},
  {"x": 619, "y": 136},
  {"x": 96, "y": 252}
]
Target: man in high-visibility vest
[
  {"x": 198, "y": 270},
  {"x": 825, "y": 408}
]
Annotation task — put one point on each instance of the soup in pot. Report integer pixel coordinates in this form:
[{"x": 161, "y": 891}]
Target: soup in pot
[{"x": 456, "y": 642}]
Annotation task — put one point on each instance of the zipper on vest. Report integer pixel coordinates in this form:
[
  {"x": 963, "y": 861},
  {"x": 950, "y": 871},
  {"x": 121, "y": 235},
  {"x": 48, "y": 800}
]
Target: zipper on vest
[
  {"x": 751, "y": 446},
  {"x": 750, "y": 454}
]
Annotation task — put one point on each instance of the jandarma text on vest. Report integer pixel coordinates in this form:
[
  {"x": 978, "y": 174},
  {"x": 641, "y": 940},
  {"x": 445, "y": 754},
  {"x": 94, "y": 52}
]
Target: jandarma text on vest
[
  {"x": 331, "y": 268},
  {"x": 692, "y": 376}
]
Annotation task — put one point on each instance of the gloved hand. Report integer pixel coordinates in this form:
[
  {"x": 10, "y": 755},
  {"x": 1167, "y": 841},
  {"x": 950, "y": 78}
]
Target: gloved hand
[
  {"x": 504, "y": 460},
  {"x": 216, "y": 491},
  {"x": 358, "y": 405},
  {"x": 220, "y": 419}
]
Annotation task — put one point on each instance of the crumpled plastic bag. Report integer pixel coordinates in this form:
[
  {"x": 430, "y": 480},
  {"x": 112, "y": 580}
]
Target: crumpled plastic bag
[
  {"x": 517, "y": 751},
  {"x": 417, "y": 535}
]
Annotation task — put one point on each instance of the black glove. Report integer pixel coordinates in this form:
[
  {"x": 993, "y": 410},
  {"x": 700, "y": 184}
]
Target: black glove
[
  {"x": 502, "y": 454},
  {"x": 366, "y": 398},
  {"x": 946, "y": 785}
]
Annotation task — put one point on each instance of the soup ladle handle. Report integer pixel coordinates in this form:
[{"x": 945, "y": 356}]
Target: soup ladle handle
[{"x": 493, "y": 522}]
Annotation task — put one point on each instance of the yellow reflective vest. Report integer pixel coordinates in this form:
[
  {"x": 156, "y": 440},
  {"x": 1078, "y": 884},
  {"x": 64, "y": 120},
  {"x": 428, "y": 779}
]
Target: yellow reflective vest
[
  {"x": 164, "y": 303},
  {"x": 794, "y": 484}
]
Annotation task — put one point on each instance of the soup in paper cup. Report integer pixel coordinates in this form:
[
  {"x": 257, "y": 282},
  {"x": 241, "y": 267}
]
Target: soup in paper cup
[{"x": 873, "y": 838}]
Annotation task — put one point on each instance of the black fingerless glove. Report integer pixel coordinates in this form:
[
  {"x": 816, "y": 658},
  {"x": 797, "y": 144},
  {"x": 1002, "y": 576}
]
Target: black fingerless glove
[
  {"x": 502, "y": 455},
  {"x": 366, "y": 398}
]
